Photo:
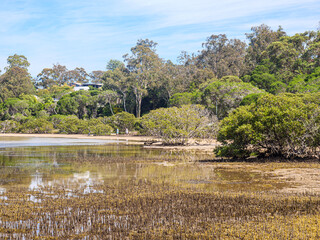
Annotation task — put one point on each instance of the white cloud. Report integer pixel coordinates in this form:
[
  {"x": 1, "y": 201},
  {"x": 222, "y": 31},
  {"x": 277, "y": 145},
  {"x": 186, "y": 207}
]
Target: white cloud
[{"x": 88, "y": 33}]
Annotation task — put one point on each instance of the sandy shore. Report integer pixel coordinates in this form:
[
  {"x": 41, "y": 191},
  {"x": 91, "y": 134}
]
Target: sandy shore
[{"x": 206, "y": 146}]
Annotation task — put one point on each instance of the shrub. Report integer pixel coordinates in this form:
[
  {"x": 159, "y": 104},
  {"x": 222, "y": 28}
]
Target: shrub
[
  {"x": 38, "y": 125},
  {"x": 9, "y": 126},
  {"x": 122, "y": 121},
  {"x": 176, "y": 125},
  {"x": 185, "y": 98},
  {"x": 285, "y": 125},
  {"x": 101, "y": 129},
  {"x": 69, "y": 124}
]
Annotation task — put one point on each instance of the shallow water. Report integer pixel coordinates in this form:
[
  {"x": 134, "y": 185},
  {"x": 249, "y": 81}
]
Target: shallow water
[
  {"x": 6, "y": 142},
  {"x": 32, "y": 163}
]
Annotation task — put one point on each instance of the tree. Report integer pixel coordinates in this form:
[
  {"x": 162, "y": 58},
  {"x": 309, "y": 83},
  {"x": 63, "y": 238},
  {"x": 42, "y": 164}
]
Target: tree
[
  {"x": 223, "y": 56},
  {"x": 122, "y": 121},
  {"x": 183, "y": 77},
  {"x": 77, "y": 75},
  {"x": 185, "y": 98},
  {"x": 9, "y": 126},
  {"x": 262, "y": 78},
  {"x": 175, "y": 126},
  {"x": 14, "y": 82},
  {"x": 19, "y": 61},
  {"x": 289, "y": 55},
  {"x": 114, "y": 64},
  {"x": 96, "y": 76},
  {"x": 57, "y": 75},
  {"x": 67, "y": 105},
  {"x": 260, "y": 38},
  {"x": 37, "y": 125},
  {"x": 286, "y": 125},
  {"x": 117, "y": 80},
  {"x": 143, "y": 64},
  {"x": 46, "y": 78},
  {"x": 109, "y": 97},
  {"x": 222, "y": 96}
]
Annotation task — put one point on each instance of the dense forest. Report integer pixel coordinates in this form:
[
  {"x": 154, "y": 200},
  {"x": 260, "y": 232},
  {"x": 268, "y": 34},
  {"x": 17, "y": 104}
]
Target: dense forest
[{"x": 258, "y": 97}]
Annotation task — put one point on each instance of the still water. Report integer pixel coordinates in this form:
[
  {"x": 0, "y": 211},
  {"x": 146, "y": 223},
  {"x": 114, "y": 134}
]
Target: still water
[{"x": 33, "y": 163}]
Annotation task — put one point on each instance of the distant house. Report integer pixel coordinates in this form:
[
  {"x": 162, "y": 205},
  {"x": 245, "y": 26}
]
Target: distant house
[{"x": 86, "y": 86}]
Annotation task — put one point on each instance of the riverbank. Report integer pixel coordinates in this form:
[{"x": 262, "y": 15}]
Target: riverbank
[{"x": 204, "y": 145}]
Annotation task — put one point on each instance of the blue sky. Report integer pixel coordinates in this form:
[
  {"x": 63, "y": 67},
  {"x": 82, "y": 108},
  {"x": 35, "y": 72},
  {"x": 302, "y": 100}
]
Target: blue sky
[{"x": 88, "y": 33}]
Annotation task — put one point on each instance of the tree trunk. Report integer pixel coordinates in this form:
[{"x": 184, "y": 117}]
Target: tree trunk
[
  {"x": 124, "y": 102},
  {"x": 138, "y": 105},
  {"x": 111, "y": 107}
]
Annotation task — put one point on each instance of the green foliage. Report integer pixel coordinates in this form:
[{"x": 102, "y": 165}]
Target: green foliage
[
  {"x": 175, "y": 126},
  {"x": 185, "y": 98},
  {"x": 305, "y": 82},
  {"x": 221, "y": 96},
  {"x": 14, "y": 82},
  {"x": 96, "y": 127},
  {"x": 285, "y": 125},
  {"x": 9, "y": 126},
  {"x": 142, "y": 64},
  {"x": 284, "y": 62},
  {"x": 67, "y": 105},
  {"x": 18, "y": 61},
  {"x": 68, "y": 124},
  {"x": 73, "y": 125},
  {"x": 122, "y": 121},
  {"x": 250, "y": 98},
  {"x": 259, "y": 40},
  {"x": 222, "y": 55},
  {"x": 114, "y": 64},
  {"x": 16, "y": 105},
  {"x": 37, "y": 125}
]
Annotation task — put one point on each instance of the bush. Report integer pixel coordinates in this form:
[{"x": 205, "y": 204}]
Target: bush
[
  {"x": 38, "y": 125},
  {"x": 285, "y": 126},
  {"x": 9, "y": 126},
  {"x": 185, "y": 98},
  {"x": 69, "y": 124},
  {"x": 101, "y": 129},
  {"x": 176, "y": 125},
  {"x": 122, "y": 121}
]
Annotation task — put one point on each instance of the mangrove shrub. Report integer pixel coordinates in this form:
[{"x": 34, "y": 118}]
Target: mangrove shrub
[
  {"x": 176, "y": 125},
  {"x": 286, "y": 125}
]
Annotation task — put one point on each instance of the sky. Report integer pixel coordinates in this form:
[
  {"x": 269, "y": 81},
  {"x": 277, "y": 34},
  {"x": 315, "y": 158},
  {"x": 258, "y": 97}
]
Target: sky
[{"x": 88, "y": 33}]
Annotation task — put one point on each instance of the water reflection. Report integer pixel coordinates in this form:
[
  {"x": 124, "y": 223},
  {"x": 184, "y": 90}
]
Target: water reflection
[{"x": 32, "y": 167}]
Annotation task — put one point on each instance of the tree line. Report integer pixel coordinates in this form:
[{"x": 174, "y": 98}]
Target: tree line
[{"x": 224, "y": 76}]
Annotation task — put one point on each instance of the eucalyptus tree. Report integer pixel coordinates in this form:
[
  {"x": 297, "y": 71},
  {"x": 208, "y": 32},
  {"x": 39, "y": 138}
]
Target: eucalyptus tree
[
  {"x": 222, "y": 55},
  {"x": 143, "y": 64},
  {"x": 114, "y": 64},
  {"x": 16, "y": 80},
  {"x": 57, "y": 75},
  {"x": 96, "y": 76},
  {"x": 117, "y": 79},
  {"x": 108, "y": 96},
  {"x": 17, "y": 61},
  {"x": 223, "y": 95},
  {"x": 259, "y": 39},
  {"x": 77, "y": 75}
]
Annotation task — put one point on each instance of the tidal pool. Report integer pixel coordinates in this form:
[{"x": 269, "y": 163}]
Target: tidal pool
[{"x": 32, "y": 163}]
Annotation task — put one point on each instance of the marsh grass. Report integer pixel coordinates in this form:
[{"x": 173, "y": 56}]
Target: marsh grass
[{"x": 155, "y": 210}]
